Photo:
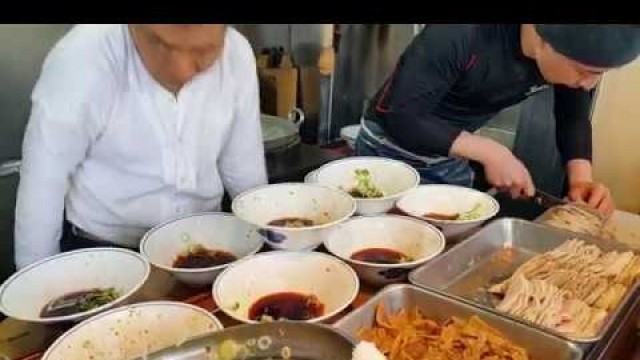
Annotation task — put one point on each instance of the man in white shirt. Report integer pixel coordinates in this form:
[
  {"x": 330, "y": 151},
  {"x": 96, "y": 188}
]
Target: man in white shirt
[{"x": 132, "y": 125}]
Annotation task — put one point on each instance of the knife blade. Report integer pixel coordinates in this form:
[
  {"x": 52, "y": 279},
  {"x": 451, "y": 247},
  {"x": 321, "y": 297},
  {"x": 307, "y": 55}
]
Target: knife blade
[
  {"x": 540, "y": 197},
  {"x": 547, "y": 200}
]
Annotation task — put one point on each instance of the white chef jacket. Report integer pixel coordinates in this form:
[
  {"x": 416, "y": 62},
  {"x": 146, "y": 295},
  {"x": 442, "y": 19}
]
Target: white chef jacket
[{"x": 120, "y": 153}]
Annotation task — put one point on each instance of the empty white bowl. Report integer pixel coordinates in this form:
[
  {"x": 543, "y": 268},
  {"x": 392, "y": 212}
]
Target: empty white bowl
[
  {"x": 394, "y": 178},
  {"x": 133, "y": 331},
  {"x": 214, "y": 231},
  {"x": 26, "y": 292},
  {"x": 242, "y": 284},
  {"x": 449, "y": 199},
  {"x": 413, "y": 238},
  {"x": 325, "y": 206}
]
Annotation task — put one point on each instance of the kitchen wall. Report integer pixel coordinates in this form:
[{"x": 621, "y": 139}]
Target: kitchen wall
[
  {"x": 303, "y": 40},
  {"x": 616, "y": 124},
  {"x": 22, "y": 49},
  {"x": 366, "y": 55}
]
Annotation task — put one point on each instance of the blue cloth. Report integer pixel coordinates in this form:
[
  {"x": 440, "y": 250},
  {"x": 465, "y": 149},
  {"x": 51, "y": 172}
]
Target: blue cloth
[{"x": 372, "y": 141}]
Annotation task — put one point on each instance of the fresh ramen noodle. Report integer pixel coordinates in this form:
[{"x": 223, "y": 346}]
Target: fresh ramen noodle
[
  {"x": 571, "y": 288},
  {"x": 578, "y": 218}
]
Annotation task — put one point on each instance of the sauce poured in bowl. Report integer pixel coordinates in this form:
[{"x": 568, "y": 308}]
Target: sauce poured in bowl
[
  {"x": 292, "y": 222},
  {"x": 78, "y": 301},
  {"x": 286, "y": 305},
  {"x": 200, "y": 257},
  {"x": 380, "y": 256}
]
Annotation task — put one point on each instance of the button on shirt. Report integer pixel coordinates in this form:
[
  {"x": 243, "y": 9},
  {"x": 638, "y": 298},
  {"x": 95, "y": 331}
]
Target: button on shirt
[{"x": 120, "y": 153}]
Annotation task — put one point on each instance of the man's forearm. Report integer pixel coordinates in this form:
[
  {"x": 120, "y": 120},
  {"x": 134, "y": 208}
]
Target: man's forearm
[
  {"x": 39, "y": 215},
  {"x": 49, "y": 156},
  {"x": 579, "y": 170},
  {"x": 475, "y": 147}
]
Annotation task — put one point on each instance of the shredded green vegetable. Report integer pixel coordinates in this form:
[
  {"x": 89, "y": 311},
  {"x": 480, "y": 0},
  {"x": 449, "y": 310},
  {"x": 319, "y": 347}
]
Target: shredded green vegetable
[
  {"x": 365, "y": 188},
  {"x": 473, "y": 214},
  {"x": 98, "y": 298}
]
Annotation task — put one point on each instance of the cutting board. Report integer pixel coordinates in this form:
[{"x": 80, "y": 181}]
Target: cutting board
[{"x": 626, "y": 228}]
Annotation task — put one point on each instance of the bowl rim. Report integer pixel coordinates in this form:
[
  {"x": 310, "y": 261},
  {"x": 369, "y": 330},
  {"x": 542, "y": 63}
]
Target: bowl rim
[
  {"x": 277, "y": 253},
  {"x": 439, "y": 234},
  {"x": 339, "y": 192},
  {"x": 88, "y": 321},
  {"x": 495, "y": 205},
  {"x": 145, "y": 240},
  {"x": 394, "y": 196},
  {"x": 310, "y": 177},
  {"x": 13, "y": 278}
]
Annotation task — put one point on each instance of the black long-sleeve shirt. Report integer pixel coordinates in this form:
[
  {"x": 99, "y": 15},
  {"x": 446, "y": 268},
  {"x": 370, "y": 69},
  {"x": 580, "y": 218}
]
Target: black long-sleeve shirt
[{"x": 457, "y": 77}]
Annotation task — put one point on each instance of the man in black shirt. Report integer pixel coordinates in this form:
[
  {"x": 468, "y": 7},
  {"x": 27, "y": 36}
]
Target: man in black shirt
[{"x": 453, "y": 78}]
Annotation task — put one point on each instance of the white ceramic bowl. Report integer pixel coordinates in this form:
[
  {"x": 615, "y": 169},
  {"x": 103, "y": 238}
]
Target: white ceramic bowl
[
  {"x": 350, "y": 134},
  {"x": 394, "y": 178},
  {"x": 325, "y": 206},
  {"x": 311, "y": 177},
  {"x": 411, "y": 237},
  {"x": 131, "y": 331},
  {"x": 332, "y": 281},
  {"x": 215, "y": 231},
  {"x": 449, "y": 199},
  {"x": 26, "y": 292}
]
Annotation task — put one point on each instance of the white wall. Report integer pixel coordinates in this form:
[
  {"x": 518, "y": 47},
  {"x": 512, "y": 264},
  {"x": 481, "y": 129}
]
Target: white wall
[{"x": 616, "y": 127}]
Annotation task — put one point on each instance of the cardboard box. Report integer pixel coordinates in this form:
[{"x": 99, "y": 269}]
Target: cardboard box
[{"x": 278, "y": 90}]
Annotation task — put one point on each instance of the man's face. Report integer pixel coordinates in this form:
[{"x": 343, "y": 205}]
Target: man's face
[
  {"x": 559, "y": 69},
  {"x": 174, "y": 54}
]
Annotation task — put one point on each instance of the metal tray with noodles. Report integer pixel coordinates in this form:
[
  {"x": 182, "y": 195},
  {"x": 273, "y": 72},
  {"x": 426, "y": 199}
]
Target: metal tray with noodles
[
  {"x": 493, "y": 254},
  {"x": 267, "y": 341},
  {"x": 539, "y": 344}
]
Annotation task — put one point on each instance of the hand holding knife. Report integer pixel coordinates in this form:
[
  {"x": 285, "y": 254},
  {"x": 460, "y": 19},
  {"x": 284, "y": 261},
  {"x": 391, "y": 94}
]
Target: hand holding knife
[{"x": 547, "y": 201}]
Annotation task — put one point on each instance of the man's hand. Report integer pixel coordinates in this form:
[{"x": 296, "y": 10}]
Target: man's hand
[
  {"x": 503, "y": 170},
  {"x": 594, "y": 194},
  {"x": 582, "y": 188},
  {"x": 508, "y": 174}
]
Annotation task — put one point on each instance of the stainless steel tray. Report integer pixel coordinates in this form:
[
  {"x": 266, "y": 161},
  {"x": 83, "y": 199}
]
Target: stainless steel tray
[
  {"x": 540, "y": 345},
  {"x": 493, "y": 254}
]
